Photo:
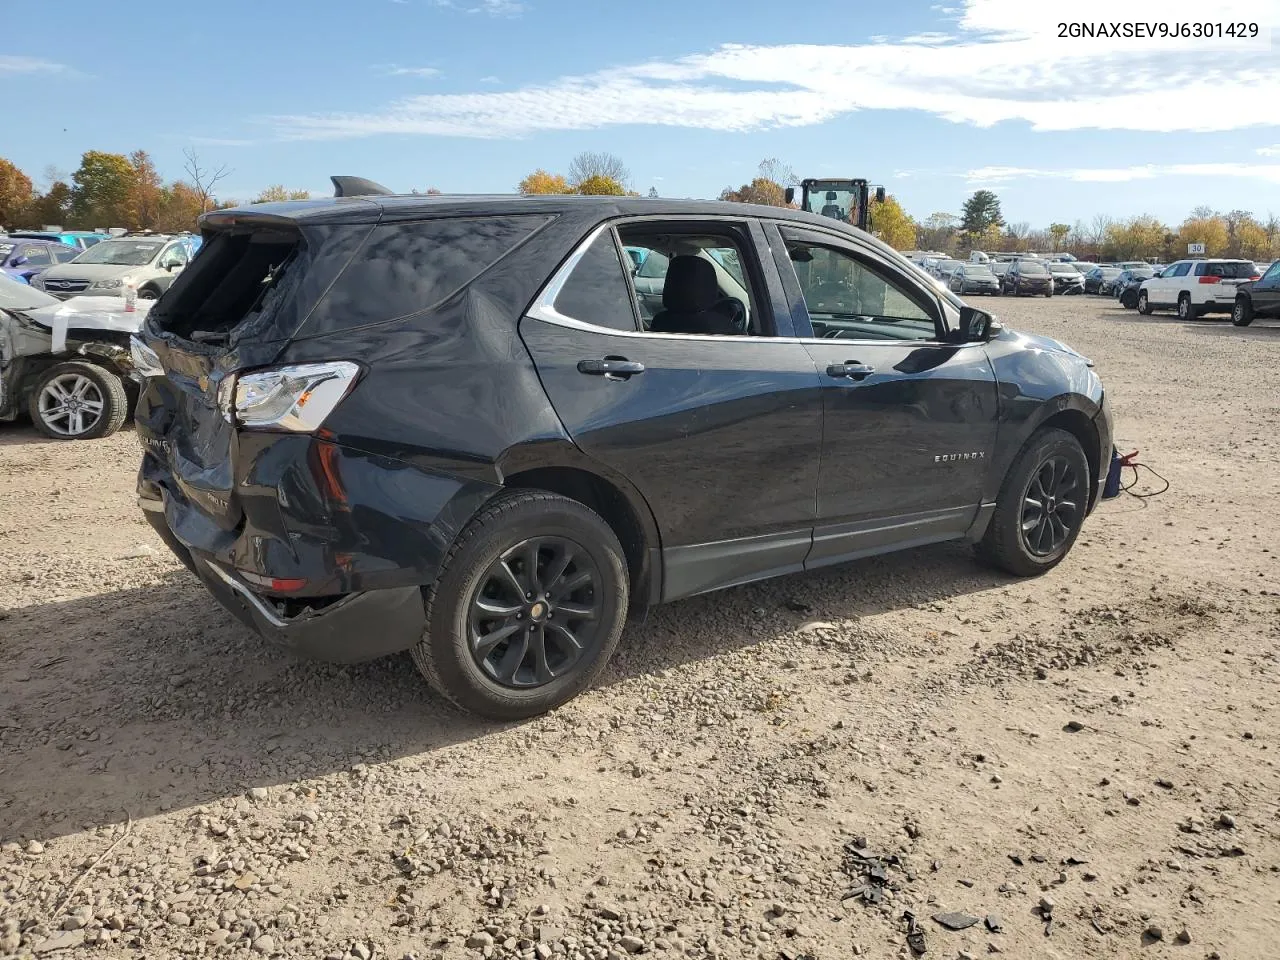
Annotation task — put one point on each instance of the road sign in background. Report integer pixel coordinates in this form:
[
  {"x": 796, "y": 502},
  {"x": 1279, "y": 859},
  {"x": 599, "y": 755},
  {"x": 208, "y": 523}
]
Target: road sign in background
[{"x": 1195, "y": 248}]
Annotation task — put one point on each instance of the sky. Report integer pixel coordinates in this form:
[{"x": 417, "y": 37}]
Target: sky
[{"x": 931, "y": 99}]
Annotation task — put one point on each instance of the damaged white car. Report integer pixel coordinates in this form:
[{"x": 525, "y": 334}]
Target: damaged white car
[{"x": 67, "y": 364}]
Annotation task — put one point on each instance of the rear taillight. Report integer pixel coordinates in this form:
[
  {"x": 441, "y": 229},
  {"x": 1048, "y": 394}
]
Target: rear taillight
[
  {"x": 1210, "y": 279},
  {"x": 296, "y": 398}
]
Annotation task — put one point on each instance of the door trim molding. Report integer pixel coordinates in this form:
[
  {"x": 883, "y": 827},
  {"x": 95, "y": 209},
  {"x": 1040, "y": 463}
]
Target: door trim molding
[
  {"x": 703, "y": 567},
  {"x": 838, "y": 542}
]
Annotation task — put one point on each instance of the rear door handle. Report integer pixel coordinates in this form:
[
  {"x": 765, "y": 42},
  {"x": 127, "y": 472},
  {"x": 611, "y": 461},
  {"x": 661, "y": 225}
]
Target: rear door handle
[
  {"x": 852, "y": 370},
  {"x": 615, "y": 368}
]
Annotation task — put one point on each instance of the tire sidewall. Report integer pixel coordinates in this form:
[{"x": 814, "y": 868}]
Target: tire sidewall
[
  {"x": 1144, "y": 302},
  {"x": 1004, "y": 542},
  {"x": 1184, "y": 307},
  {"x": 110, "y": 388},
  {"x": 1241, "y": 314},
  {"x": 448, "y": 631}
]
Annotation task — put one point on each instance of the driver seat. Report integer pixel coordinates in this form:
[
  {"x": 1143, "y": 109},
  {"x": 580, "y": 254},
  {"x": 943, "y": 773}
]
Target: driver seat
[{"x": 688, "y": 295}]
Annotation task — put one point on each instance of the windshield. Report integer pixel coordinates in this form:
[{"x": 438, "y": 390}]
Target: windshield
[
  {"x": 19, "y": 296},
  {"x": 1066, "y": 268},
  {"x": 1142, "y": 274},
  {"x": 978, "y": 270},
  {"x": 837, "y": 204},
  {"x": 124, "y": 253},
  {"x": 949, "y": 265},
  {"x": 1031, "y": 267},
  {"x": 1110, "y": 272}
]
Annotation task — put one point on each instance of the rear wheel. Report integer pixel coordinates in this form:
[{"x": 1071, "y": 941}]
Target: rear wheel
[
  {"x": 1242, "y": 312},
  {"x": 78, "y": 401},
  {"x": 1186, "y": 310},
  {"x": 149, "y": 293},
  {"x": 528, "y": 607},
  {"x": 1144, "y": 303},
  {"x": 1041, "y": 506}
]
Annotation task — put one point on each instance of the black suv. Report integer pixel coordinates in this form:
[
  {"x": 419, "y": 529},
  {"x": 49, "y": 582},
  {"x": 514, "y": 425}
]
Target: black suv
[{"x": 487, "y": 429}]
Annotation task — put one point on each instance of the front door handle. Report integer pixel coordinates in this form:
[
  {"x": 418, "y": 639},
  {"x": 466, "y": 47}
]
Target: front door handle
[
  {"x": 852, "y": 370},
  {"x": 615, "y": 368}
]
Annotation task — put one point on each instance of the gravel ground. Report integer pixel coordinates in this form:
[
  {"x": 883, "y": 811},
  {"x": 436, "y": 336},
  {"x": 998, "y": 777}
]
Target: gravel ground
[{"x": 1082, "y": 764}]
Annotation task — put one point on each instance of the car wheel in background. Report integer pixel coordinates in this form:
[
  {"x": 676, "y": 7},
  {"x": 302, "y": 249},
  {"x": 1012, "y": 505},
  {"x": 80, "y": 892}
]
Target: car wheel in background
[
  {"x": 1040, "y": 507},
  {"x": 528, "y": 607},
  {"x": 78, "y": 401},
  {"x": 1144, "y": 303},
  {"x": 1186, "y": 311},
  {"x": 1242, "y": 312},
  {"x": 148, "y": 293}
]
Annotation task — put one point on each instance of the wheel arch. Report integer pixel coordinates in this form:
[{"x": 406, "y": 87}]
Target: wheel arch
[{"x": 571, "y": 474}]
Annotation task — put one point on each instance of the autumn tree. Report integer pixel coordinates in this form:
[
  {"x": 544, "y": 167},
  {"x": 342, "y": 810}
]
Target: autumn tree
[
  {"x": 204, "y": 179},
  {"x": 180, "y": 208},
  {"x": 589, "y": 165},
  {"x": 53, "y": 207},
  {"x": 278, "y": 192},
  {"x": 1205, "y": 226},
  {"x": 980, "y": 212},
  {"x": 16, "y": 194},
  {"x": 1135, "y": 238},
  {"x": 890, "y": 223},
  {"x": 601, "y": 185},
  {"x": 938, "y": 232},
  {"x": 1058, "y": 233},
  {"x": 145, "y": 195},
  {"x": 541, "y": 182},
  {"x": 768, "y": 187},
  {"x": 101, "y": 191}
]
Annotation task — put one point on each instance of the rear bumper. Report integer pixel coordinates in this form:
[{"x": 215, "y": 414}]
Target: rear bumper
[{"x": 346, "y": 629}]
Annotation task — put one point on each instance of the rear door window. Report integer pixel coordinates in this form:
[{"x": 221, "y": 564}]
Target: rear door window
[
  {"x": 37, "y": 256},
  {"x": 596, "y": 292}
]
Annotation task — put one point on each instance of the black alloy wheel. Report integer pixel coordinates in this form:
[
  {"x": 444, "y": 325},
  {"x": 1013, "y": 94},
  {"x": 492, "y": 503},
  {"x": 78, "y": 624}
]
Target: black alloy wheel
[
  {"x": 535, "y": 612},
  {"x": 527, "y": 609},
  {"x": 1051, "y": 506}
]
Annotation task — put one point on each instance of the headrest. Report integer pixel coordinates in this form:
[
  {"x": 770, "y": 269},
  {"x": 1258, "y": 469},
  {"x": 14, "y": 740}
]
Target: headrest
[{"x": 690, "y": 286}]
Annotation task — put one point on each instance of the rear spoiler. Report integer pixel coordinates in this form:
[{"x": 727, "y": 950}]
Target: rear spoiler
[{"x": 358, "y": 187}]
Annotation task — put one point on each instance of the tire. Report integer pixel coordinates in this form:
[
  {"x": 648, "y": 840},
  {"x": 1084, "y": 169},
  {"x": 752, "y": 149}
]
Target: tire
[
  {"x": 1242, "y": 312},
  {"x": 475, "y": 573},
  {"x": 148, "y": 293},
  {"x": 1144, "y": 303},
  {"x": 1027, "y": 554},
  {"x": 1049, "y": 292},
  {"x": 1186, "y": 309},
  {"x": 88, "y": 384}
]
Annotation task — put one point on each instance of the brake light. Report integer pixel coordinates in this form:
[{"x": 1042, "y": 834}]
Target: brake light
[
  {"x": 1210, "y": 279},
  {"x": 297, "y": 398}
]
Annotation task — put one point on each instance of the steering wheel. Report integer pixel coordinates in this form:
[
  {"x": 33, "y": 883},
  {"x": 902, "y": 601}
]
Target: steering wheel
[{"x": 735, "y": 310}]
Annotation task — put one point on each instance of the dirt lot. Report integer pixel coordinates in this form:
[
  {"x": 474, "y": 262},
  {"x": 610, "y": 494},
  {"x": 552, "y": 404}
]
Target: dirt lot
[{"x": 1102, "y": 741}]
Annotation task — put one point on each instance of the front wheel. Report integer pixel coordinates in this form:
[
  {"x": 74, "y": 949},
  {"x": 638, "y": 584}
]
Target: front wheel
[
  {"x": 1049, "y": 292},
  {"x": 78, "y": 401},
  {"x": 1242, "y": 312},
  {"x": 1144, "y": 303},
  {"x": 528, "y": 607},
  {"x": 1041, "y": 506}
]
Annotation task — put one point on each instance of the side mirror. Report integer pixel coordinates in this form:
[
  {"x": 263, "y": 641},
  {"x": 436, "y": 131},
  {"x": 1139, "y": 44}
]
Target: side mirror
[
  {"x": 17, "y": 261},
  {"x": 879, "y": 194},
  {"x": 978, "y": 326},
  {"x": 790, "y": 194}
]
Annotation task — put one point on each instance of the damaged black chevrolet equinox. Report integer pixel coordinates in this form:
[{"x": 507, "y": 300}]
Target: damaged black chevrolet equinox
[{"x": 485, "y": 430}]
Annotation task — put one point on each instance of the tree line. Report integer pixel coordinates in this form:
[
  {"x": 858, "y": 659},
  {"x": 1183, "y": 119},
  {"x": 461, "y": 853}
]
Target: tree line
[{"x": 119, "y": 190}]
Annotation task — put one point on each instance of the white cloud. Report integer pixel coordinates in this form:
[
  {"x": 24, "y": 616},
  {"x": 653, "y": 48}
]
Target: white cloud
[
  {"x": 490, "y": 79},
  {"x": 15, "y": 64},
  {"x": 1258, "y": 171},
  {"x": 492, "y": 8},
  {"x": 392, "y": 70},
  {"x": 1272, "y": 151},
  {"x": 1001, "y": 62}
]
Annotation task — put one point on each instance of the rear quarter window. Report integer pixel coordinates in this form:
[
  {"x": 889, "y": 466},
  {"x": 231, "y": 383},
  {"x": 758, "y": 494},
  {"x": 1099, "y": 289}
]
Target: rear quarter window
[{"x": 405, "y": 268}]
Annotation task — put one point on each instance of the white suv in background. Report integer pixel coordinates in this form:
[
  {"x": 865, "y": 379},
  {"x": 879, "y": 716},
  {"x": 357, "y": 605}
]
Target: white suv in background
[{"x": 1195, "y": 287}]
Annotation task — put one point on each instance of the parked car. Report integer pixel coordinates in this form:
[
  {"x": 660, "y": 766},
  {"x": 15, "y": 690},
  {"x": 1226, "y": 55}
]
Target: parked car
[
  {"x": 1196, "y": 287},
  {"x": 67, "y": 364},
  {"x": 999, "y": 268},
  {"x": 1027, "y": 276},
  {"x": 1100, "y": 279},
  {"x": 1258, "y": 298},
  {"x": 974, "y": 277},
  {"x": 943, "y": 269},
  {"x": 22, "y": 258},
  {"x": 320, "y": 452},
  {"x": 1066, "y": 278},
  {"x": 80, "y": 239},
  {"x": 1129, "y": 283},
  {"x": 149, "y": 262}
]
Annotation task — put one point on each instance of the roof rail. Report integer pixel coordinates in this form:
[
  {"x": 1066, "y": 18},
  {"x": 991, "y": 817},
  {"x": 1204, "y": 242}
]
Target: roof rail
[{"x": 358, "y": 187}]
